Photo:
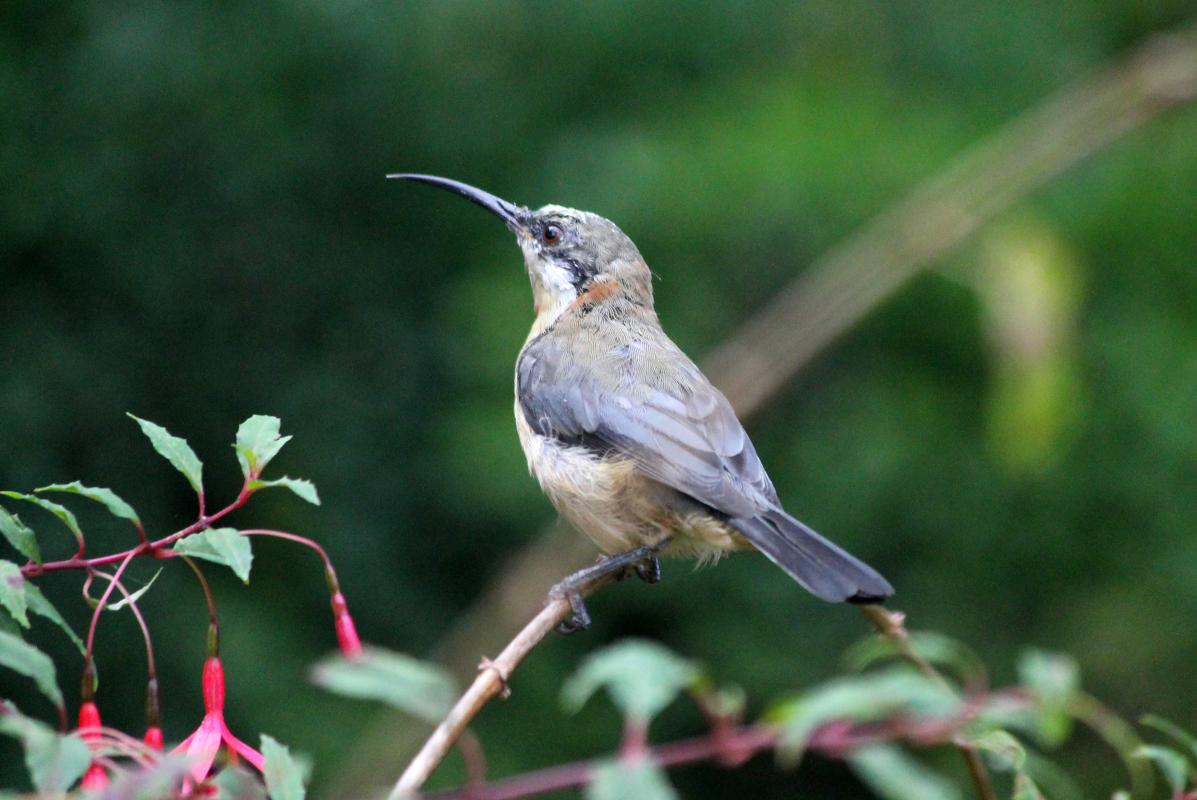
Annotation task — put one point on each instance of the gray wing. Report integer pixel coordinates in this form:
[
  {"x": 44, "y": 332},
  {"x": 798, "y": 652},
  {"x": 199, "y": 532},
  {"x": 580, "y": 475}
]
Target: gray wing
[{"x": 664, "y": 415}]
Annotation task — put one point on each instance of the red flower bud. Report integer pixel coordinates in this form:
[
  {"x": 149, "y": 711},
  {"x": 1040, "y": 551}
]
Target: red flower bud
[
  {"x": 153, "y": 738},
  {"x": 89, "y": 720},
  {"x": 351, "y": 645},
  {"x": 213, "y": 685},
  {"x": 95, "y": 778}
]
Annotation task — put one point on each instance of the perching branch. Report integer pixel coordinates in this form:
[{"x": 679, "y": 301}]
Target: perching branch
[
  {"x": 839, "y": 289},
  {"x": 491, "y": 680}
]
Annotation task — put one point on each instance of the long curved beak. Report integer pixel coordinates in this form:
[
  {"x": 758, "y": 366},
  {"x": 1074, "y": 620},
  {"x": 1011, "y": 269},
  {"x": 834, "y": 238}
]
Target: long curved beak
[{"x": 510, "y": 213}]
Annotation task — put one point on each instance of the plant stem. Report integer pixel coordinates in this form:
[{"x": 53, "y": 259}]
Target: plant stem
[
  {"x": 892, "y": 625},
  {"x": 32, "y": 569}
]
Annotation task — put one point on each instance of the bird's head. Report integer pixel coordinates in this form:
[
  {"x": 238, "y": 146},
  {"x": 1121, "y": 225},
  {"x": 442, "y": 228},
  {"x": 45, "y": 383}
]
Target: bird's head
[{"x": 572, "y": 256}]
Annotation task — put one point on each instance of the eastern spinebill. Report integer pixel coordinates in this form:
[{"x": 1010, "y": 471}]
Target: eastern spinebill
[{"x": 627, "y": 437}]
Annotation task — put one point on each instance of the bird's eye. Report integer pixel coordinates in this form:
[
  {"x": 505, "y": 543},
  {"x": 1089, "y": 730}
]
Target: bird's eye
[{"x": 551, "y": 234}]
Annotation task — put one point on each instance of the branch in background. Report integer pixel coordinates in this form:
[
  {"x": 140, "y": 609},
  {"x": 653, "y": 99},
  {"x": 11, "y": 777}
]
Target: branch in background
[{"x": 835, "y": 293}]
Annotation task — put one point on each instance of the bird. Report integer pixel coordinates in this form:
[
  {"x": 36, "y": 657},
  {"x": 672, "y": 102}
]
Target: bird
[{"x": 631, "y": 443}]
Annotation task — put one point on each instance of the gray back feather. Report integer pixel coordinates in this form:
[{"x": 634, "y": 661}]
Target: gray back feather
[{"x": 632, "y": 391}]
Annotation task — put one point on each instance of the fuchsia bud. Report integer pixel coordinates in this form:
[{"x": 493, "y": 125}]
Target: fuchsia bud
[
  {"x": 96, "y": 776},
  {"x": 351, "y": 646},
  {"x": 213, "y": 685},
  {"x": 153, "y": 738},
  {"x": 89, "y": 720}
]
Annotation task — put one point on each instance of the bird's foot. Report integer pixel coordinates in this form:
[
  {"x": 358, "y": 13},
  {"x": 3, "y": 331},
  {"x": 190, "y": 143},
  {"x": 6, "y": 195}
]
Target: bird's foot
[
  {"x": 649, "y": 570},
  {"x": 579, "y": 618},
  {"x": 642, "y": 560}
]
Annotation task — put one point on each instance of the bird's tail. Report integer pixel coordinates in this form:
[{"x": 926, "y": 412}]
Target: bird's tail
[{"x": 822, "y": 568}]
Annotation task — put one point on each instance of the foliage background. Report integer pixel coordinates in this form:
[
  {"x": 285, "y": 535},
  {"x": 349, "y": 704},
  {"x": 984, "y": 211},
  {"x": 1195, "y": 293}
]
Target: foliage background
[{"x": 194, "y": 227}]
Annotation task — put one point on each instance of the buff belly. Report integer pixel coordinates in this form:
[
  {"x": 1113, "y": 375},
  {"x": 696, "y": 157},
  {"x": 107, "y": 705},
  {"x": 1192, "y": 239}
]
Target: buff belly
[{"x": 607, "y": 499}]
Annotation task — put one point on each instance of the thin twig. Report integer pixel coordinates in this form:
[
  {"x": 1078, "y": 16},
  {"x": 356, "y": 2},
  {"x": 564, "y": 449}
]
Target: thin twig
[
  {"x": 491, "y": 680},
  {"x": 892, "y": 625}
]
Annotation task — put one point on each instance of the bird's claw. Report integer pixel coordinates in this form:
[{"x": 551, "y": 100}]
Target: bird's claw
[
  {"x": 649, "y": 570},
  {"x": 579, "y": 618}
]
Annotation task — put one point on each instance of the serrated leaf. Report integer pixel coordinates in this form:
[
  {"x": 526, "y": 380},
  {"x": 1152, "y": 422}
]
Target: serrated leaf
[
  {"x": 38, "y": 604},
  {"x": 12, "y": 592},
  {"x": 861, "y": 698},
  {"x": 133, "y": 596},
  {"x": 54, "y": 761},
  {"x": 221, "y": 546},
  {"x": 1174, "y": 766},
  {"x": 106, "y": 497},
  {"x": 642, "y": 677},
  {"x": 304, "y": 488},
  {"x": 941, "y": 650},
  {"x": 258, "y": 441},
  {"x": 284, "y": 775},
  {"x": 1179, "y": 734},
  {"x": 417, "y": 687},
  {"x": 893, "y": 775},
  {"x": 19, "y": 656},
  {"x": 176, "y": 451},
  {"x": 19, "y": 536},
  {"x": 63, "y": 513},
  {"x": 624, "y": 779}
]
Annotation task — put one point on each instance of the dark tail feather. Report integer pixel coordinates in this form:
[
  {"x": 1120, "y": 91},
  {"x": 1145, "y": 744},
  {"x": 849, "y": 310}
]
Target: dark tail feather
[{"x": 822, "y": 568}]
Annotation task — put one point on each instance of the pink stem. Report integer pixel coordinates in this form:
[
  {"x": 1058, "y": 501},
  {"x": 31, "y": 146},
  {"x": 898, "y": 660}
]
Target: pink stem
[{"x": 32, "y": 570}]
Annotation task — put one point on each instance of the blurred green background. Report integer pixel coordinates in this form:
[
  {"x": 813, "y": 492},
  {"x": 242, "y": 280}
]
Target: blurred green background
[{"x": 194, "y": 227}]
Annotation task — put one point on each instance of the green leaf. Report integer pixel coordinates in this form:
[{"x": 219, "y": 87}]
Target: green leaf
[
  {"x": 12, "y": 592},
  {"x": 304, "y": 488},
  {"x": 20, "y": 537},
  {"x": 1174, "y": 766},
  {"x": 106, "y": 497},
  {"x": 284, "y": 775},
  {"x": 941, "y": 650},
  {"x": 893, "y": 775},
  {"x": 1170, "y": 728},
  {"x": 642, "y": 677},
  {"x": 38, "y": 604},
  {"x": 637, "y": 778},
  {"x": 176, "y": 451},
  {"x": 54, "y": 762},
  {"x": 1006, "y": 752},
  {"x": 1053, "y": 680},
  {"x": 26, "y": 659},
  {"x": 417, "y": 687},
  {"x": 258, "y": 442},
  {"x": 133, "y": 596},
  {"x": 237, "y": 783},
  {"x": 1025, "y": 788},
  {"x": 861, "y": 698},
  {"x": 222, "y": 546},
  {"x": 64, "y": 514}
]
